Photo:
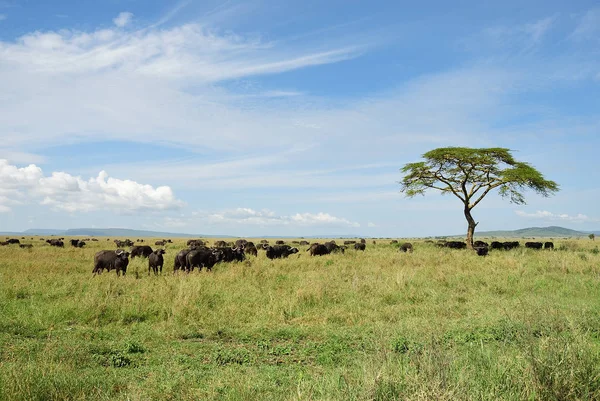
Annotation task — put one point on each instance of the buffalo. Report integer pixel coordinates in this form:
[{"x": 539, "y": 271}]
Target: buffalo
[
  {"x": 318, "y": 250},
  {"x": 74, "y": 243},
  {"x": 203, "y": 257},
  {"x": 195, "y": 243},
  {"x": 140, "y": 250},
  {"x": 279, "y": 242},
  {"x": 221, "y": 244},
  {"x": 349, "y": 242},
  {"x": 360, "y": 247},
  {"x": 56, "y": 242},
  {"x": 534, "y": 245},
  {"x": 481, "y": 250},
  {"x": 279, "y": 251},
  {"x": 156, "y": 261},
  {"x": 332, "y": 247},
  {"x": 455, "y": 245},
  {"x": 393, "y": 241},
  {"x": 13, "y": 241},
  {"x": 549, "y": 245},
  {"x": 110, "y": 260},
  {"x": 160, "y": 243},
  {"x": 180, "y": 259},
  {"x": 250, "y": 249},
  {"x": 25, "y": 246},
  {"x": 304, "y": 243},
  {"x": 123, "y": 244},
  {"x": 240, "y": 242},
  {"x": 508, "y": 245},
  {"x": 406, "y": 247},
  {"x": 479, "y": 244},
  {"x": 232, "y": 254}
]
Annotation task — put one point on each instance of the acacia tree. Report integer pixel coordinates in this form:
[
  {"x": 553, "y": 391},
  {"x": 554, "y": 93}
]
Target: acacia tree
[
  {"x": 470, "y": 174},
  {"x": 592, "y": 236}
]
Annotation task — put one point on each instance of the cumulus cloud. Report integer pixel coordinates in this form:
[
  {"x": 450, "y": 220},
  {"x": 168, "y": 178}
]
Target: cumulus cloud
[
  {"x": 546, "y": 215},
  {"x": 123, "y": 19},
  {"x": 63, "y": 191},
  {"x": 266, "y": 217}
]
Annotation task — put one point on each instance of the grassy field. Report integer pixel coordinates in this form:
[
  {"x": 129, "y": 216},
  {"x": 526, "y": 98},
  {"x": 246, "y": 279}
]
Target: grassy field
[{"x": 436, "y": 324}]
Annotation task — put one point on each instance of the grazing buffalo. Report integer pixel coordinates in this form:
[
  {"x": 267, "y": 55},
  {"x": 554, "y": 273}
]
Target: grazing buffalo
[
  {"x": 549, "y": 245},
  {"x": 160, "y": 243},
  {"x": 180, "y": 259},
  {"x": 279, "y": 251},
  {"x": 332, "y": 247},
  {"x": 25, "y": 246},
  {"x": 95, "y": 239},
  {"x": 406, "y": 247},
  {"x": 279, "y": 242},
  {"x": 508, "y": 245},
  {"x": 497, "y": 245},
  {"x": 360, "y": 247},
  {"x": 74, "y": 243},
  {"x": 232, "y": 254},
  {"x": 221, "y": 244},
  {"x": 195, "y": 242},
  {"x": 534, "y": 245},
  {"x": 318, "y": 250},
  {"x": 4, "y": 243},
  {"x": 393, "y": 241},
  {"x": 56, "y": 242},
  {"x": 81, "y": 244},
  {"x": 264, "y": 241},
  {"x": 456, "y": 245},
  {"x": 203, "y": 257},
  {"x": 349, "y": 242},
  {"x": 304, "y": 243},
  {"x": 250, "y": 249},
  {"x": 479, "y": 244},
  {"x": 142, "y": 251},
  {"x": 13, "y": 241},
  {"x": 156, "y": 261},
  {"x": 123, "y": 244},
  {"x": 481, "y": 250},
  {"x": 109, "y": 260}
]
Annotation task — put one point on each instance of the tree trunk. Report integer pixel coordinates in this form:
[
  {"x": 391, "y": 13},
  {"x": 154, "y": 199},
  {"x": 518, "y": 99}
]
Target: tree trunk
[{"x": 471, "y": 229}]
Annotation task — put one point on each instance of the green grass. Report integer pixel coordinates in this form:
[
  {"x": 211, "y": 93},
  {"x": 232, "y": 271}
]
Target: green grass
[{"x": 380, "y": 325}]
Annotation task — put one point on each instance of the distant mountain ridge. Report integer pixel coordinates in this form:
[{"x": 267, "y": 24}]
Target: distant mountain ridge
[{"x": 552, "y": 231}]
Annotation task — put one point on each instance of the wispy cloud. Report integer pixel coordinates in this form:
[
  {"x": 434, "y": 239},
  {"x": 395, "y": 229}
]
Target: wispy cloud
[
  {"x": 545, "y": 215},
  {"x": 123, "y": 19},
  {"x": 265, "y": 218}
]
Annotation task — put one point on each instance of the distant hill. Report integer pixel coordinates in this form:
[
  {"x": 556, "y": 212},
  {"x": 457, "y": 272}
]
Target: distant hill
[
  {"x": 552, "y": 231},
  {"x": 111, "y": 232}
]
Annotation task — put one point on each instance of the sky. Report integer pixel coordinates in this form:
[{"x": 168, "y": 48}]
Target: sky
[{"x": 293, "y": 118}]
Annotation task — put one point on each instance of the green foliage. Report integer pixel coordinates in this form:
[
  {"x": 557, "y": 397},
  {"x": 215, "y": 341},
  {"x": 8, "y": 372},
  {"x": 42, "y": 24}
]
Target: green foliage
[{"x": 470, "y": 174}]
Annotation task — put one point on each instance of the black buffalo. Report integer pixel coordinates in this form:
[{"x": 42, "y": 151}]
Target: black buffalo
[
  {"x": 548, "y": 245},
  {"x": 360, "y": 247},
  {"x": 25, "y": 246},
  {"x": 406, "y": 247},
  {"x": 279, "y": 251},
  {"x": 393, "y": 241},
  {"x": 508, "y": 245},
  {"x": 109, "y": 260},
  {"x": 142, "y": 251},
  {"x": 195, "y": 243},
  {"x": 349, "y": 242},
  {"x": 250, "y": 249},
  {"x": 160, "y": 243},
  {"x": 156, "y": 261},
  {"x": 479, "y": 244},
  {"x": 318, "y": 250},
  {"x": 232, "y": 254},
  {"x": 332, "y": 247},
  {"x": 240, "y": 242},
  {"x": 13, "y": 241},
  {"x": 481, "y": 250},
  {"x": 180, "y": 259},
  {"x": 534, "y": 245},
  {"x": 56, "y": 242},
  {"x": 279, "y": 242},
  {"x": 203, "y": 257},
  {"x": 123, "y": 244},
  {"x": 456, "y": 245},
  {"x": 74, "y": 243}
]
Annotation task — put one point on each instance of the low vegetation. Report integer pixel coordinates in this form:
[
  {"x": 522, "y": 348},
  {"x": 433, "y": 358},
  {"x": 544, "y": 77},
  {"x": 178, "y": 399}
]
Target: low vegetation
[{"x": 436, "y": 323}]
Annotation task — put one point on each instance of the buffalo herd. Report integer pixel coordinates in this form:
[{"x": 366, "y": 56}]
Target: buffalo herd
[{"x": 199, "y": 255}]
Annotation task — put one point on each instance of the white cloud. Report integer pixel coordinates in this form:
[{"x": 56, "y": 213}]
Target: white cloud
[
  {"x": 247, "y": 216},
  {"x": 123, "y": 19},
  {"x": 371, "y": 225},
  {"x": 73, "y": 194},
  {"x": 545, "y": 215}
]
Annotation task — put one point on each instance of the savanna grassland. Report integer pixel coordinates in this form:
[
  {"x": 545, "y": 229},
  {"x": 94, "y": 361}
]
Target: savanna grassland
[{"x": 437, "y": 324}]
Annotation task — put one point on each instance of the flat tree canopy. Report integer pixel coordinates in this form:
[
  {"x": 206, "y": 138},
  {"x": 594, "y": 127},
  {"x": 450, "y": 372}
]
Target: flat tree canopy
[{"x": 470, "y": 174}]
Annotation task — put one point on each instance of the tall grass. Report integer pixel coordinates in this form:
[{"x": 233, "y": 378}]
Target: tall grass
[{"x": 373, "y": 325}]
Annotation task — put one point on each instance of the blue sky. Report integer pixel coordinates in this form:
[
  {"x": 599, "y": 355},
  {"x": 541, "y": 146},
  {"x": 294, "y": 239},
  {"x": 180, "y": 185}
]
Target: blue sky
[{"x": 290, "y": 118}]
